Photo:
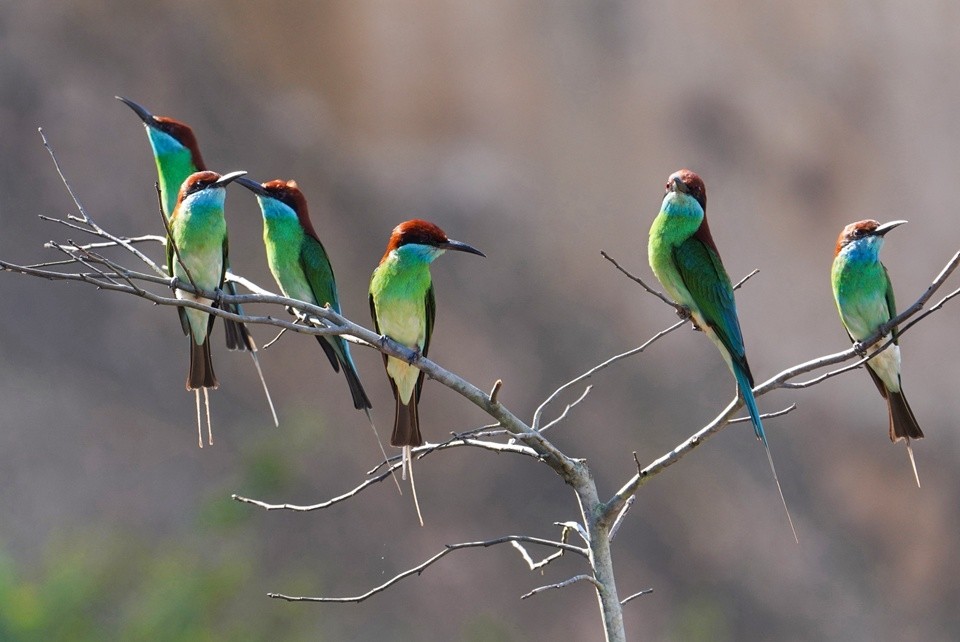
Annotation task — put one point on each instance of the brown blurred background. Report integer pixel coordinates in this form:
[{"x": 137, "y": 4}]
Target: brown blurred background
[{"x": 541, "y": 134}]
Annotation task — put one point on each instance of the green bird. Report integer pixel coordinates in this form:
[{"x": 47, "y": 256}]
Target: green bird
[
  {"x": 196, "y": 254},
  {"x": 864, "y": 296},
  {"x": 301, "y": 267},
  {"x": 177, "y": 155},
  {"x": 403, "y": 307},
  {"x": 685, "y": 259}
]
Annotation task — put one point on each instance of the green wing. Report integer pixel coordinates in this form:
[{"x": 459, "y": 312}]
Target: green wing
[
  {"x": 171, "y": 257},
  {"x": 319, "y": 274},
  {"x": 891, "y": 302},
  {"x": 431, "y": 309},
  {"x": 706, "y": 279}
]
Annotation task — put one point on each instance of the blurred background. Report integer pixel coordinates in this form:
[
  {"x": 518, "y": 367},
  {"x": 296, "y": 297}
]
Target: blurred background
[{"x": 540, "y": 134}]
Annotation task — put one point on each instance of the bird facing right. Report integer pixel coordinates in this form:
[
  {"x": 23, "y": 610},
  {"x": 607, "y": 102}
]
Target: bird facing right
[
  {"x": 864, "y": 296},
  {"x": 403, "y": 308}
]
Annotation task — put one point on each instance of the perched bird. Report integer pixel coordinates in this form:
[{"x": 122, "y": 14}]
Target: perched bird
[
  {"x": 300, "y": 265},
  {"x": 196, "y": 254},
  {"x": 403, "y": 308},
  {"x": 177, "y": 155},
  {"x": 175, "y": 151},
  {"x": 864, "y": 296},
  {"x": 685, "y": 259}
]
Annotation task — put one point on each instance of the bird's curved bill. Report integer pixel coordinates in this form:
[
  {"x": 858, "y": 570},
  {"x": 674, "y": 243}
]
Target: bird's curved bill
[
  {"x": 253, "y": 186},
  {"x": 226, "y": 179},
  {"x": 886, "y": 227},
  {"x": 461, "y": 247},
  {"x": 140, "y": 110}
]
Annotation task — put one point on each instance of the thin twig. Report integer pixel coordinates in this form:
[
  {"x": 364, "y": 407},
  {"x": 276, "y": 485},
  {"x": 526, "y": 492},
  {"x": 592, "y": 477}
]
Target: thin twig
[
  {"x": 592, "y": 371},
  {"x": 560, "y": 585},
  {"x": 496, "y": 390},
  {"x": 623, "y": 513},
  {"x": 636, "y": 279},
  {"x": 274, "y": 340},
  {"x": 566, "y": 409},
  {"x": 417, "y": 570},
  {"x": 85, "y": 217},
  {"x": 777, "y": 381},
  {"x": 636, "y": 595},
  {"x": 330, "y": 502}
]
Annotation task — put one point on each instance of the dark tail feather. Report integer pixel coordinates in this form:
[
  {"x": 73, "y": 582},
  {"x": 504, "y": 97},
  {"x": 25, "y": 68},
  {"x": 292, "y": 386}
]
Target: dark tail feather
[
  {"x": 237, "y": 335},
  {"x": 201, "y": 366},
  {"x": 903, "y": 425},
  {"x": 330, "y": 352},
  {"x": 360, "y": 399},
  {"x": 406, "y": 425}
]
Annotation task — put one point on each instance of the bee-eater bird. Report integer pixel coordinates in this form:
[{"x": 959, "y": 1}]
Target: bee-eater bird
[
  {"x": 177, "y": 155},
  {"x": 864, "y": 296},
  {"x": 403, "y": 307},
  {"x": 196, "y": 254},
  {"x": 301, "y": 267},
  {"x": 685, "y": 259}
]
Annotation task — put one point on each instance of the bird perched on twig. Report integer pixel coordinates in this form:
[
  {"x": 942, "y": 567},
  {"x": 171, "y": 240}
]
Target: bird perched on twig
[
  {"x": 403, "y": 307},
  {"x": 196, "y": 254},
  {"x": 864, "y": 296},
  {"x": 685, "y": 259},
  {"x": 177, "y": 155}
]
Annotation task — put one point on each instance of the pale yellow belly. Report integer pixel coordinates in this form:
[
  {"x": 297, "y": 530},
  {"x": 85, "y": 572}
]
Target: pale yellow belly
[{"x": 405, "y": 323}]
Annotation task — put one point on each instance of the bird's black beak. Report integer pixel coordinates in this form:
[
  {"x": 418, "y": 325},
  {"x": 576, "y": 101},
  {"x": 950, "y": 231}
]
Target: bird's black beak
[
  {"x": 678, "y": 185},
  {"x": 226, "y": 179},
  {"x": 461, "y": 247},
  {"x": 253, "y": 186},
  {"x": 886, "y": 227},
  {"x": 144, "y": 115}
]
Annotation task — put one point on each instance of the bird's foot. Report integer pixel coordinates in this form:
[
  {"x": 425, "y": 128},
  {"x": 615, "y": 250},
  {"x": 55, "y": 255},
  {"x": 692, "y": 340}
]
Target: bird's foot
[
  {"x": 685, "y": 315},
  {"x": 175, "y": 283},
  {"x": 413, "y": 356},
  {"x": 859, "y": 349}
]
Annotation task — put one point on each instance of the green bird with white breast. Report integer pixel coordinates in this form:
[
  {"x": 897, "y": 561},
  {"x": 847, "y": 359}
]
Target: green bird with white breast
[
  {"x": 864, "y": 297},
  {"x": 196, "y": 254},
  {"x": 177, "y": 156}
]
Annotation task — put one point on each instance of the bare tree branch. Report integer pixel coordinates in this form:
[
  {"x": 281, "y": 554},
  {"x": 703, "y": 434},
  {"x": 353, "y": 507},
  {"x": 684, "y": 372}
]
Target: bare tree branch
[
  {"x": 623, "y": 513},
  {"x": 560, "y": 585},
  {"x": 417, "y": 570},
  {"x": 534, "y": 566},
  {"x": 600, "y": 520},
  {"x": 615, "y": 504},
  {"x": 83, "y": 213},
  {"x": 636, "y": 595},
  {"x": 606, "y": 364}
]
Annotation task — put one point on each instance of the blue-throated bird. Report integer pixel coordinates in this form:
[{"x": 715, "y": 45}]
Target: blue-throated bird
[
  {"x": 301, "y": 267},
  {"x": 403, "y": 307},
  {"x": 177, "y": 156},
  {"x": 864, "y": 296},
  {"x": 685, "y": 259},
  {"x": 196, "y": 254}
]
